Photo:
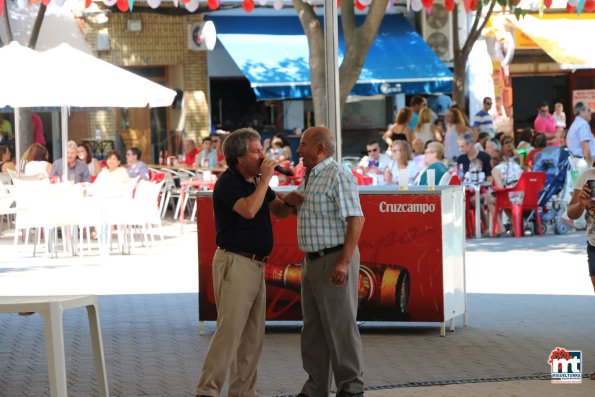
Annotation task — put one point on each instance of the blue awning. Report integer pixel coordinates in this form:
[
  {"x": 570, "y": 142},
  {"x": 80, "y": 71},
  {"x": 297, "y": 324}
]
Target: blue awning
[{"x": 273, "y": 54}]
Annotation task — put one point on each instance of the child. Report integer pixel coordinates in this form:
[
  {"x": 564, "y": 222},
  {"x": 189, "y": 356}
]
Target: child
[{"x": 559, "y": 119}]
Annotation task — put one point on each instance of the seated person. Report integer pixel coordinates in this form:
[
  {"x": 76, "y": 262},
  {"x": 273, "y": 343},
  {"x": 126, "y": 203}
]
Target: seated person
[
  {"x": 191, "y": 152},
  {"x": 375, "y": 162},
  {"x": 470, "y": 153},
  {"x": 508, "y": 147},
  {"x": 77, "y": 171},
  {"x": 434, "y": 161},
  {"x": 505, "y": 174},
  {"x": 278, "y": 148},
  {"x": 84, "y": 154},
  {"x": 135, "y": 166},
  {"x": 36, "y": 162},
  {"x": 208, "y": 154},
  {"x": 114, "y": 172},
  {"x": 419, "y": 157},
  {"x": 6, "y": 160},
  {"x": 540, "y": 142},
  {"x": 402, "y": 159}
]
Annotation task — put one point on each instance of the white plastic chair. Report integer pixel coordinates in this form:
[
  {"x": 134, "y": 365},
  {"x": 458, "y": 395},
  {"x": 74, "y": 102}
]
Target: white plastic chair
[
  {"x": 146, "y": 208},
  {"x": 33, "y": 210},
  {"x": 7, "y": 208}
]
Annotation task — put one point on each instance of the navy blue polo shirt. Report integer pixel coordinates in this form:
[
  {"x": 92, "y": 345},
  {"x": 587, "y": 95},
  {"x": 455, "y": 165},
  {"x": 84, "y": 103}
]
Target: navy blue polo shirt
[{"x": 234, "y": 232}]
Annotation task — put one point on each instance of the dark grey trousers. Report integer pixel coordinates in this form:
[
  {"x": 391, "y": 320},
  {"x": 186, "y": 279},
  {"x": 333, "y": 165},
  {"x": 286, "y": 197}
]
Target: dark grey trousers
[{"x": 330, "y": 337}]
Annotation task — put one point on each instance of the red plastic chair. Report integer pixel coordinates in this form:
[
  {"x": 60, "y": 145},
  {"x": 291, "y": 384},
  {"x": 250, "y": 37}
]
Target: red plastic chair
[
  {"x": 527, "y": 197},
  {"x": 156, "y": 177},
  {"x": 362, "y": 179}
]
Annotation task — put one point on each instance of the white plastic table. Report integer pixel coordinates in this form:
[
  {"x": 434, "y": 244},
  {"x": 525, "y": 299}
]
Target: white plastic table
[{"x": 51, "y": 308}]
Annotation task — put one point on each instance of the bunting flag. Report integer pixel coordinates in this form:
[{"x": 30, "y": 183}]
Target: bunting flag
[
  {"x": 572, "y": 6},
  {"x": 580, "y": 6}
]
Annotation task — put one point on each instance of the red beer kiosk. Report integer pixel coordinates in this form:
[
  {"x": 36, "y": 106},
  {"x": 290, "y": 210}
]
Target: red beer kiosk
[{"x": 412, "y": 251}]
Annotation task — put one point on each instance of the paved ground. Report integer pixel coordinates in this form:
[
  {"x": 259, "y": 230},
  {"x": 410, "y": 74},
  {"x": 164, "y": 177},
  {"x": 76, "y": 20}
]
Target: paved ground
[{"x": 526, "y": 296}]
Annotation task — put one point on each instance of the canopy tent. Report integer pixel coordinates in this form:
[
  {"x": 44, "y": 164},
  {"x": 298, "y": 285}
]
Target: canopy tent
[
  {"x": 562, "y": 36},
  {"x": 273, "y": 54},
  {"x": 65, "y": 77}
]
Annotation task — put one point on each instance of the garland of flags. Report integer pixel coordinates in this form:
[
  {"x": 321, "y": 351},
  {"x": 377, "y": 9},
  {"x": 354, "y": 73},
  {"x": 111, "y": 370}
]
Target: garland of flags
[{"x": 573, "y": 6}]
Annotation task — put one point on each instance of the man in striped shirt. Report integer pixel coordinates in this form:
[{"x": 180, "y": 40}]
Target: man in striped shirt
[
  {"x": 330, "y": 221},
  {"x": 483, "y": 122}
]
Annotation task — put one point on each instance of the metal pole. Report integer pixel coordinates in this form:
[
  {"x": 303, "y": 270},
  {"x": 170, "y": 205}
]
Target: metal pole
[
  {"x": 17, "y": 139},
  {"x": 64, "y": 117},
  {"x": 331, "y": 43}
]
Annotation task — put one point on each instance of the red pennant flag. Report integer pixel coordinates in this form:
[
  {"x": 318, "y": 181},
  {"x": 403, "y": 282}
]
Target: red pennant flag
[
  {"x": 122, "y": 5},
  {"x": 1, "y": 7},
  {"x": 87, "y": 3},
  {"x": 449, "y": 5},
  {"x": 248, "y": 5}
]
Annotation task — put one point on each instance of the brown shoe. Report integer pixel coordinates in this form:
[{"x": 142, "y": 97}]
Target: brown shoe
[{"x": 592, "y": 377}]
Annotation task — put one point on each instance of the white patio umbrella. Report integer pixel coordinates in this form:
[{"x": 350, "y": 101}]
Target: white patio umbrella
[{"x": 64, "y": 76}]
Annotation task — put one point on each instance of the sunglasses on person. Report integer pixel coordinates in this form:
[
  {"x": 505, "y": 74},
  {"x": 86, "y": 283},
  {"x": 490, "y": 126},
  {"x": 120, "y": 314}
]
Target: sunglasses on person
[
  {"x": 372, "y": 150},
  {"x": 488, "y": 103}
]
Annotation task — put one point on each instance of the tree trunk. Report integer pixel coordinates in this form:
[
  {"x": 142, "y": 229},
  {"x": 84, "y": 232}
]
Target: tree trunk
[
  {"x": 458, "y": 84},
  {"x": 357, "y": 43},
  {"x": 461, "y": 55},
  {"x": 315, "y": 34}
]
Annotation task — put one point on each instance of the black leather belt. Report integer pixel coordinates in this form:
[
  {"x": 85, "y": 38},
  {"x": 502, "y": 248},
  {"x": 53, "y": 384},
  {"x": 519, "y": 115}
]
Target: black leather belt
[
  {"x": 323, "y": 252},
  {"x": 249, "y": 255}
]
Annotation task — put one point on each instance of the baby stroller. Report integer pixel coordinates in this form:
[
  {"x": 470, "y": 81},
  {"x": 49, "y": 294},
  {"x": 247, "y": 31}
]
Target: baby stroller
[{"x": 555, "y": 162}]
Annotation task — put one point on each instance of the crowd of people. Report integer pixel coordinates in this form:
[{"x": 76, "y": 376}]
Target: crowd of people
[
  {"x": 417, "y": 142},
  {"x": 81, "y": 165}
]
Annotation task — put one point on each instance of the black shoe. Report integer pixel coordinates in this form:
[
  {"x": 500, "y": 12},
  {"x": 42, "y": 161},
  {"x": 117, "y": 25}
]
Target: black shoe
[
  {"x": 202, "y": 395},
  {"x": 301, "y": 395}
]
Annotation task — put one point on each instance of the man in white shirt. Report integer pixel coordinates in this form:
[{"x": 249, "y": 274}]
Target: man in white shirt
[
  {"x": 375, "y": 162},
  {"x": 579, "y": 139}
]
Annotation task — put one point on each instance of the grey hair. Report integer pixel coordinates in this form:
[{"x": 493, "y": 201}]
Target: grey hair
[
  {"x": 468, "y": 138},
  {"x": 494, "y": 143},
  {"x": 72, "y": 145},
  {"x": 579, "y": 107},
  {"x": 236, "y": 144}
]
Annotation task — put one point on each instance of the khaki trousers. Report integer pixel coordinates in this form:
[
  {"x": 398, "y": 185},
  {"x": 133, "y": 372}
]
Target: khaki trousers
[
  {"x": 330, "y": 337},
  {"x": 237, "y": 342}
]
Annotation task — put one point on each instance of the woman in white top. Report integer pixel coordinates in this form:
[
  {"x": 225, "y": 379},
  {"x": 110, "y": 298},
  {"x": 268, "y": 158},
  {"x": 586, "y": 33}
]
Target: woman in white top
[
  {"x": 114, "y": 172},
  {"x": 505, "y": 174},
  {"x": 425, "y": 129},
  {"x": 83, "y": 152},
  {"x": 402, "y": 159},
  {"x": 35, "y": 160},
  {"x": 456, "y": 128}
]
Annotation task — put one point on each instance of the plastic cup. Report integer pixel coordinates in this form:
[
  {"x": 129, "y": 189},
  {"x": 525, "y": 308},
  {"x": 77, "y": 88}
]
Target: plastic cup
[
  {"x": 403, "y": 179},
  {"x": 431, "y": 175}
]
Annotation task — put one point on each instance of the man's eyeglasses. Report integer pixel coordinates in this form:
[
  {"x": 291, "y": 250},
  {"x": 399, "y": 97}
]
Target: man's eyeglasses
[
  {"x": 488, "y": 103},
  {"x": 372, "y": 150}
]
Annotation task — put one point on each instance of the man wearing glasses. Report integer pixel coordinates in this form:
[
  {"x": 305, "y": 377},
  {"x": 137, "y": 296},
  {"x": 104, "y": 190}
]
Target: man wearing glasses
[
  {"x": 579, "y": 139},
  {"x": 482, "y": 122},
  {"x": 375, "y": 162},
  {"x": 545, "y": 124}
]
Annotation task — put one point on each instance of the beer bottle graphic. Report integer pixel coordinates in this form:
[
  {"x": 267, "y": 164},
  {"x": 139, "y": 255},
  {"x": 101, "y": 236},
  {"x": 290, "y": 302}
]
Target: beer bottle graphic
[{"x": 383, "y": 290}]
